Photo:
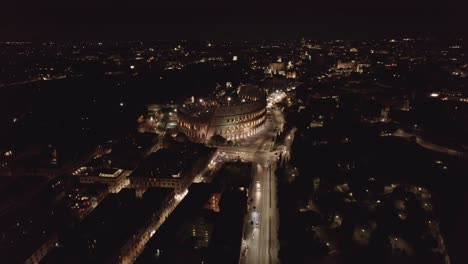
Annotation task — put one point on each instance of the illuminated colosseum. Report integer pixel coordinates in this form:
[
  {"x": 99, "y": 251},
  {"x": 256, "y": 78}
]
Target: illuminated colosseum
[{"x": 235, "y": 116}]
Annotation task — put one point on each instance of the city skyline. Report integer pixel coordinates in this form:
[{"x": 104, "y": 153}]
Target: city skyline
[{"x": 238, "y": 133}]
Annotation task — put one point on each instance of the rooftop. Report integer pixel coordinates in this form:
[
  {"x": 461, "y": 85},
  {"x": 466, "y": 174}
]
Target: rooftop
[
  {"x": 100, "y": 227},
  {"x": 171, "y": 162}
]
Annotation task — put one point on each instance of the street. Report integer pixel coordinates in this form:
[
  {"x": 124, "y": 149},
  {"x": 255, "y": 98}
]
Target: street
[
  {"x": 428, "y": 145},
  {"x": 260, "y": 241},
  {"x": 261, "y": 225}
]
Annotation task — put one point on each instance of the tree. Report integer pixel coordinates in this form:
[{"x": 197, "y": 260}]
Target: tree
[
  {"x": 181, "y": 137},
  {"x": 217, "y": 140},
  {"x": 379, "y": 246}
]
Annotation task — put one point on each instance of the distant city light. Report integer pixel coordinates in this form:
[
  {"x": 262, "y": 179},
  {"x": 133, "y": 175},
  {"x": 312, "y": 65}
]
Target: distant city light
[{"x": 253, "y": 121}]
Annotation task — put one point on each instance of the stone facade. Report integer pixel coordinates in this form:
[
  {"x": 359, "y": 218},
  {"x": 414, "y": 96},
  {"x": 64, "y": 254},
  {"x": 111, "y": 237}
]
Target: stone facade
[{"x": 233, "y": 121}]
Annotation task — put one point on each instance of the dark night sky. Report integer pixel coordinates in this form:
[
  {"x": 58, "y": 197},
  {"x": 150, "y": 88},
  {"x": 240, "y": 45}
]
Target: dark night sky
[{"x": 208, "y": 19}]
